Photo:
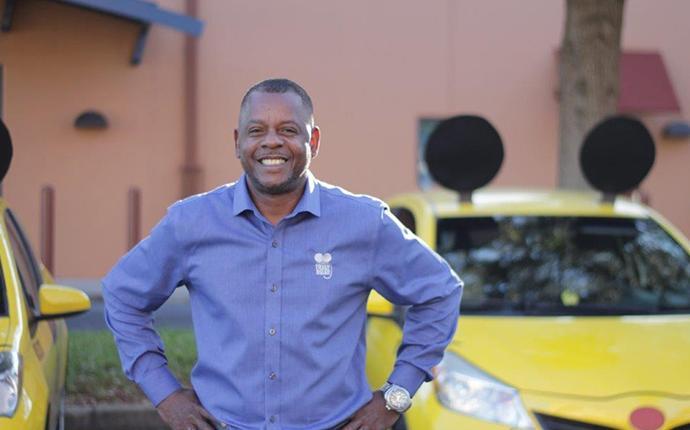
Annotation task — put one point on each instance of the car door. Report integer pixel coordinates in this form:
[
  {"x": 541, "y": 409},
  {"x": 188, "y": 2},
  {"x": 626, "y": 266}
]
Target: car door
[{"x": 42, "y": 332}]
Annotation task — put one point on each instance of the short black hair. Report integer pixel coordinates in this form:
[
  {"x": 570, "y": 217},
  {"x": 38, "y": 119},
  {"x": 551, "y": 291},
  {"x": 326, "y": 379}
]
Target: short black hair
[{"x": 279, "y": 85}]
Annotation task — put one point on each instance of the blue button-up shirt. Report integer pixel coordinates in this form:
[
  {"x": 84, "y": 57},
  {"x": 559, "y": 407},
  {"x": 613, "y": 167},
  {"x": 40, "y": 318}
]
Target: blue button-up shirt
[{"x": 279, "y": 312}]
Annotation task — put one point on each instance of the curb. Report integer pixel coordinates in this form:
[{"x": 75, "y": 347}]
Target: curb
[{"x": 113, "y": 417}]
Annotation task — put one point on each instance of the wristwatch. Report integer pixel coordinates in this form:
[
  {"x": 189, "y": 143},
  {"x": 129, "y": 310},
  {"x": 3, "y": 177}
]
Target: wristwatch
[{"x": 397, "y": 398}]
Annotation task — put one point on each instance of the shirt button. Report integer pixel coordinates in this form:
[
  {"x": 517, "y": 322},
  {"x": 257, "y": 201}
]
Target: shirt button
[
  {"x": 274, "y": 244},
  {"x": 272, "y": 376},
  {"x": 274, "y": 288},
  {"x": 272, "y": 332}
]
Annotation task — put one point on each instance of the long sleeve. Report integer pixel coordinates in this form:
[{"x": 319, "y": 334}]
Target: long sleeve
[
  {"x": 138, "y": 285},
  {"x": 408, "y": 273}
]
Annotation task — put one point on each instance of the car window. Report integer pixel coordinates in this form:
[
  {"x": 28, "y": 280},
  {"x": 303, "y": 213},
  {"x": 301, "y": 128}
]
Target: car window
[
  {"x": 3, "y": 294},
  {"x": 406, "y": 217},
  {"x": 25, "y": 262},
  {"x": 566, "y": 265}
]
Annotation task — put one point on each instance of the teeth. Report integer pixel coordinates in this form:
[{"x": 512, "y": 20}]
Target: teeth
[{"x": 272, "y": 161}]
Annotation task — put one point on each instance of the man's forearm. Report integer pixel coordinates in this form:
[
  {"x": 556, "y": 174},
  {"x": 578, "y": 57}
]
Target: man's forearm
[
  {"x": 140, "y": 348},
  {"x": 428, "y": 329}
]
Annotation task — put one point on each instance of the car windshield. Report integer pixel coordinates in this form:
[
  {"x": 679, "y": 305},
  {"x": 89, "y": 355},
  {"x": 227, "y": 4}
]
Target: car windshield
[{"x": 531, "y": 265}]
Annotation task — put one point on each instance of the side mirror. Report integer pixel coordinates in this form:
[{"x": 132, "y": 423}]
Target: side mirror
[
  {"x": 56, "y": 301},
  {"x": 378, "y": 306}
]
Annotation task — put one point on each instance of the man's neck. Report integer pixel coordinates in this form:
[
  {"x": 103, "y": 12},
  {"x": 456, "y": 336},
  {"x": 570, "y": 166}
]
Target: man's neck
[{"x": 275, "y": 207}]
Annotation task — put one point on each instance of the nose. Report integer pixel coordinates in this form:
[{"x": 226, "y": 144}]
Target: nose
[{"x": 272, "y": 140}]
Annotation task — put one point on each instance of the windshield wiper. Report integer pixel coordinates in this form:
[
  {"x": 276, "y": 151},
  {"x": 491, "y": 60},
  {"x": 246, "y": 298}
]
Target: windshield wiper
[
  {"x": 491, "y": 307},
  {"x": 555, "y": 309},
  {"x": 589, "y": 310}
]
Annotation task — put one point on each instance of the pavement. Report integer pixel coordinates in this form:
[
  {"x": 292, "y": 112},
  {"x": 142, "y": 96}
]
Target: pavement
[
  {"x": 172, "y": 314},
  {"x": 92, "y": 287},
  {"x": 175, "y": 313}
]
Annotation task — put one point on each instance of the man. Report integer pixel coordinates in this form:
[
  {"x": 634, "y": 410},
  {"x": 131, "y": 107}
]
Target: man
[{"x": 279, "y": 267}]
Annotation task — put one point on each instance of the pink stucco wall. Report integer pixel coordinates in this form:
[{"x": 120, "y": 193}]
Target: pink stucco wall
[
  {"x": 662, "y": 26},
  {"x": 373, "y": 69},
  {"x": 59, "y": 61}
]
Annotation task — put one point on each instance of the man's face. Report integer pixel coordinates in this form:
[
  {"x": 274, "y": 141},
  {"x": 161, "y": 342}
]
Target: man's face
[{"x": 275, "y": 142}]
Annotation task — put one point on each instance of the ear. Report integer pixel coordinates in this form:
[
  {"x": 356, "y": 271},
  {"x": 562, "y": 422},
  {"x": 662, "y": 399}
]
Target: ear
[
  {"x": 315, "y": 141},
  {"x": 237, "y": 149}
]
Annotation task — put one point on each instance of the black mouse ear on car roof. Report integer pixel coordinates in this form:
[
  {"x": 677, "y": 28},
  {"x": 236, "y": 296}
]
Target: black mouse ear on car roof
[
  {"x": 5, "y": 150},
  {"x": 464, "y": 153},
  {"x": 617, "y": 155}
]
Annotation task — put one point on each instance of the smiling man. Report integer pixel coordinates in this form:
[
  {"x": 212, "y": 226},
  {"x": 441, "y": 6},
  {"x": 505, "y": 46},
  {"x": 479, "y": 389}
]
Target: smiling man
[
  {"x": 275, "y": 142},
  {"x": 279, "y": 267}
]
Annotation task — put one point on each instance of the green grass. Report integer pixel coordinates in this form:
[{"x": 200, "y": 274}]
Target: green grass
[{"x": 94, "y": 374}]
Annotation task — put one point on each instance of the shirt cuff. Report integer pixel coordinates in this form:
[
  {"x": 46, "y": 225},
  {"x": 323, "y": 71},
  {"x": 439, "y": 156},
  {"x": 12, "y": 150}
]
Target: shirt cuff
[
  {"x": 158, "y": 384},
  {"x": 408, "y": 377}
]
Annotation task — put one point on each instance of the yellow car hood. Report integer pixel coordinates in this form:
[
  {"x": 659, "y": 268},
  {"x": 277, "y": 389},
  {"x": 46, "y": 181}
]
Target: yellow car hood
[{"x": 585, "y": 356}]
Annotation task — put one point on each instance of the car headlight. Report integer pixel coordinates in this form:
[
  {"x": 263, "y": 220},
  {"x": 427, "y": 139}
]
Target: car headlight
[
  {"x": 466, "y": 389},
  {"x": 10, "y": 382}
]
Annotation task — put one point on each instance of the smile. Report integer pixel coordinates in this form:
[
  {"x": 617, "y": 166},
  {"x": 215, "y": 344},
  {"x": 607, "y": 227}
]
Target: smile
[{"x": 272, "y": 161}]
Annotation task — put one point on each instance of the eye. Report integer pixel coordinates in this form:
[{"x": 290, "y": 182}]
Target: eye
[
  {"x": 290, "y": 130},
  {"x": 254, "y": 130}
]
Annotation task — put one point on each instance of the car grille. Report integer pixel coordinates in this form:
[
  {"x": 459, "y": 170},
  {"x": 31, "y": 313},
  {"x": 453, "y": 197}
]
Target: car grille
[{"x": 549, "y": 422}]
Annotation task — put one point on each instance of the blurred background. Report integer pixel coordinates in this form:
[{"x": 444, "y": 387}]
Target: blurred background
[{"x": 119, "y": 108}]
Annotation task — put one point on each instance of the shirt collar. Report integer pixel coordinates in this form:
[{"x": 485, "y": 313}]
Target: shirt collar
[{"x": 309, "y": 202}]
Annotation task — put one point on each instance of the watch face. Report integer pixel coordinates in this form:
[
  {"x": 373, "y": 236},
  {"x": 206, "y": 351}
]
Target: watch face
[{"x": 398, "y": 399}]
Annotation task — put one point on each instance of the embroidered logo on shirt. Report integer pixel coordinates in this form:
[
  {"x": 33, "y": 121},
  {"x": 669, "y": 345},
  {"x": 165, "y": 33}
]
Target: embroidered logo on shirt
[{"x": 323, "y": 265}]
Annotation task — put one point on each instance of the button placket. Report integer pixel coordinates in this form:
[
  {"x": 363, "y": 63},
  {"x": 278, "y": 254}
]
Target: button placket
[{"x": 272, "y": 320}]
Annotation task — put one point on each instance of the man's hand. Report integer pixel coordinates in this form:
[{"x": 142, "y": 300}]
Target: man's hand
[
  {"x": 182, "y": 411},
  {"x": 373, "y": 415}
]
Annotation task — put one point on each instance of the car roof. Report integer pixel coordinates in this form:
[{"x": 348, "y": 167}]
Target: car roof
[{"x": 520, "y": 201}]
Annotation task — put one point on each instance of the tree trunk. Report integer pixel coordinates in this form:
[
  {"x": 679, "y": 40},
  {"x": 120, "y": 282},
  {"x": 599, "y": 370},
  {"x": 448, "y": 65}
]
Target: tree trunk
[{"x": 588, "y": 77}]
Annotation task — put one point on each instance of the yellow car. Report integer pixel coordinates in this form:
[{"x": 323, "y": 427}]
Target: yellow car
[
  {"x": 33, "y": 334},
  {"x": 576, "y": 308}
]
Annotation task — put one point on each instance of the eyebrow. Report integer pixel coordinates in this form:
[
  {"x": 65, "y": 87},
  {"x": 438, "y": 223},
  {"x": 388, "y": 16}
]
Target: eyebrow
[{"x": 259, "y": 122}]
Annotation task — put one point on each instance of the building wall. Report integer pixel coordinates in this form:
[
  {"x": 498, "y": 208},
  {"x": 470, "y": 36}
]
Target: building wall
[
  {"x": 375, "y": 68},
  {"x": 372, "y": 68},
  {"x": 662, "y": 26},
  {"x": 59, "y": 61}
]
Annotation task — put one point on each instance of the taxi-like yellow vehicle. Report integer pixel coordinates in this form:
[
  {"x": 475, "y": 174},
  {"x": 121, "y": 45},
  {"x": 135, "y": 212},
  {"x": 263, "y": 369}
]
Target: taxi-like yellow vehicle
[
  {"x": 576, "y": 308},
  {"x": 33, "y": 334}
]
